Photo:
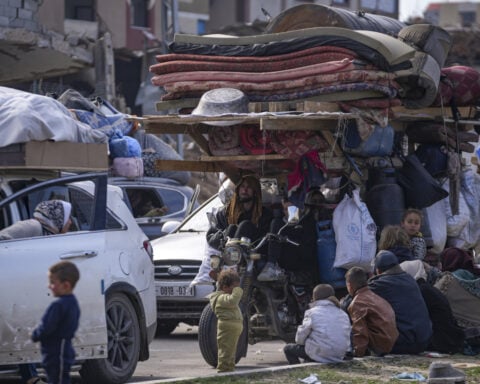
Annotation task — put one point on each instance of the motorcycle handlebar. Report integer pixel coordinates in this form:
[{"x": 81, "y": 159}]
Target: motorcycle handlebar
[{"x": 282, "y": 239}]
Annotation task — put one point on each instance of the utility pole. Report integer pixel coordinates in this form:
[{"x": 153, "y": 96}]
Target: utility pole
[{"x": 169, "y": 14}]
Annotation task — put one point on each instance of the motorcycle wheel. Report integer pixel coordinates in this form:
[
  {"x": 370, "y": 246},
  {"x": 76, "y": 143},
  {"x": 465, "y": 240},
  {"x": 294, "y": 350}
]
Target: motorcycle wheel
[{"x": 207, "y": 338}]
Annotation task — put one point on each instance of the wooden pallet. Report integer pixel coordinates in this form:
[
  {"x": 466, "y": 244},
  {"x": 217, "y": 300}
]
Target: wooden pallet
[{"x": 320, "y": 116}]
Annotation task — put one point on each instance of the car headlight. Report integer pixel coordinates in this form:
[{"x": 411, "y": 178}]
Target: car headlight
[
  {"x": 232, "y": 254},
  {"x": 214, "y": 262}
]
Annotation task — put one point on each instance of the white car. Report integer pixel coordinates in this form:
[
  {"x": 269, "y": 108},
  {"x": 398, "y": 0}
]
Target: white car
[
  {"x": 177, "y": 258},
  {"x": 116, "y": 289}
]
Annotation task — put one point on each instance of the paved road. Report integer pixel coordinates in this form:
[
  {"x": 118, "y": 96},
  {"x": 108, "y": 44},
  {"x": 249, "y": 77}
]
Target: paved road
[{"x": 178, "y": 355}]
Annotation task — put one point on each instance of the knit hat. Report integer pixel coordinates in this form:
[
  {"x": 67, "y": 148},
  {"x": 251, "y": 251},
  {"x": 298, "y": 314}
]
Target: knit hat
[{"x": 385, "y": 260}]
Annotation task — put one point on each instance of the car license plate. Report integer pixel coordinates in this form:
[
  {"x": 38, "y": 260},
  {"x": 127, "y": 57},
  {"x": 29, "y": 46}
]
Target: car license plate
[{"x": 169, "y": 290}]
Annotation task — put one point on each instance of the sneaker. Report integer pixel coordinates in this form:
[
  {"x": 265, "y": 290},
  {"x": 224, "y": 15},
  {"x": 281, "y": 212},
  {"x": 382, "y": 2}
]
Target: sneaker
[
  {"x": 270, "y": 272},
  {"x": 36, "y": 380}
]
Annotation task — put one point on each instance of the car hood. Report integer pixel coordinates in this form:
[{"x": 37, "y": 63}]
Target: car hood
[{"x": 180, "y": 246}]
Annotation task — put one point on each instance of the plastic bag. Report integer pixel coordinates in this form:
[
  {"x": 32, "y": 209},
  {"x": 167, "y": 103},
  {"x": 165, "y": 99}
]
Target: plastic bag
[
  {"x": 436, "y": 217},
  {"x": 469, "y": 235},
  {"x": 355, "y": 233}
]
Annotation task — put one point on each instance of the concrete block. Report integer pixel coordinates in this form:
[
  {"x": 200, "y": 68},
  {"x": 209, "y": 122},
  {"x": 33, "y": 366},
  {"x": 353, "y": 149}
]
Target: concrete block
[
  {"x": 15, "y": 3},
  {"x": 31, "y": 25},
  {"x": 25, "y": 14},
  {"x": 30, "y": 5},
  {"x": 4, "y": 21},
  {"x": 10, "y": 12},
  {"x": 16, "y": 23}
]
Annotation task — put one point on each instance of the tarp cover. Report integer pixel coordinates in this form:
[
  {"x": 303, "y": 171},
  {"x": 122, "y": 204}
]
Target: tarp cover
[{"x": 26, "y": 116}]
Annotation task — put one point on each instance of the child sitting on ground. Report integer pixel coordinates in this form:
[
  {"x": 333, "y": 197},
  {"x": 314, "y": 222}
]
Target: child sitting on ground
[
  {"x": 411, "y": 222},
  {"x": 324, "y": 335},
  {"x": 224, "y": 303}
]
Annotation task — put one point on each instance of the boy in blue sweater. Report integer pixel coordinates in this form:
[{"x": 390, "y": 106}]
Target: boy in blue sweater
[{"x": 59, "y": 323}]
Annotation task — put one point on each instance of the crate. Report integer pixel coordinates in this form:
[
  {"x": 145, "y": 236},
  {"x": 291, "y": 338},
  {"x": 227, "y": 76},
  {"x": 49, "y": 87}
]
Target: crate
[{"x": 60, "y": 155}]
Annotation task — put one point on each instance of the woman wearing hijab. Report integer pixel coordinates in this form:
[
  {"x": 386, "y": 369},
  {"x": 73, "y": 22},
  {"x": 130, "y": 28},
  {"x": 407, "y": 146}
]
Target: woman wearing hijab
[
  {"x": 50, "y": 217},
  {"x": 447, "y": 336},
  {"x": 453, "y": 259}
]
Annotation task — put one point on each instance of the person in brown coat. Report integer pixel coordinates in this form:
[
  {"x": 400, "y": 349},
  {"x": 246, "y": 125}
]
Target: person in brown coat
[{"x": 373, "y": 321}]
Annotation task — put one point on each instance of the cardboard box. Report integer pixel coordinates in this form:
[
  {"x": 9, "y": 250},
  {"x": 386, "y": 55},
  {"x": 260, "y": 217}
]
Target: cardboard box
[{"x": 61, "y": 155}]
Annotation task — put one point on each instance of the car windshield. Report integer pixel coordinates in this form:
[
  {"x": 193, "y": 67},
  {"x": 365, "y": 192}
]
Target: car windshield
[{"x": 198, "y": 221}]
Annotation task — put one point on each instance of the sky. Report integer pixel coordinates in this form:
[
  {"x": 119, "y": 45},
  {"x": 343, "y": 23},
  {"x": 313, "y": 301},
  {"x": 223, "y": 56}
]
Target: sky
[{"x": 416, "y": 7}]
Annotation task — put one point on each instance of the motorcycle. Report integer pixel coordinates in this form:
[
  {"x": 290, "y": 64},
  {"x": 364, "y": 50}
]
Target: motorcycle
[{"x": 271, "y": 309}]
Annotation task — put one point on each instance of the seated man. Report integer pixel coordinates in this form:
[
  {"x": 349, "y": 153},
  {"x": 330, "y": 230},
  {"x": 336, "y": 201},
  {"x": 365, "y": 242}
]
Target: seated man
[
  {"x": 373, "y": 320},
  {"x": 402, "y": 292}
]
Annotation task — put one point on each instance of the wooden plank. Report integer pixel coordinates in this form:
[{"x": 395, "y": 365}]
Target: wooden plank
[
  {"x": 297, "y": 125},
  {"x": 201, "y": 141},
  {"x": 430, "y": 113},
  {"x": 214, "y": 164},
  {"x": 244, "y": 118},
  {"x": 328, "y": 136},
  {"x": 243, "y": 158},
  {"x": 176, "y": 104},
  {"x": 158, "y": 128},
  {"x": 188, "y": 165}
]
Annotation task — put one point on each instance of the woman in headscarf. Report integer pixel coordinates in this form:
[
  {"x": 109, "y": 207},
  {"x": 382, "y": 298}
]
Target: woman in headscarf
[
  {"x": 447, "y": 336},
  {"x": 50, "y": 217},
  {"x": 453, "y": 259}
]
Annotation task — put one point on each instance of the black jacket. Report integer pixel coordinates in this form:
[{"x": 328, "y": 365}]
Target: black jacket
[
  {"x": 447, "y": 336},
  {"x": 411, "y": 314},
  {"x": 215, "y": 233}
]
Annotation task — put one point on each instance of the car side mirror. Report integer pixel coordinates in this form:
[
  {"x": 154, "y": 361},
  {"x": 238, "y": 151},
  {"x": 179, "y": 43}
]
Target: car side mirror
[{"x": 170, "y": 226}]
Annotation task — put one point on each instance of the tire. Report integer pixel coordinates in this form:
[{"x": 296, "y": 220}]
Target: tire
[
  {"x": 207, "y": 338},
  {"x": 123, "y": 345},
  {"x": 165, "y": 327}
]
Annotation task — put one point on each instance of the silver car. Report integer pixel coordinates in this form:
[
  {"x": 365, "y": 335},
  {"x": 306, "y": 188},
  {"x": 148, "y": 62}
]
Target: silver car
[
  {"x": 156, "y": 200},
  {"x": 177, "y": 258},
  {"x": 116, "y": 289}
]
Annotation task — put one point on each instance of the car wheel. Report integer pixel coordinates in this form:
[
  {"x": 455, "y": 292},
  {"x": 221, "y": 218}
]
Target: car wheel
[
  {"x": 123, "y": 345},
  {"x": 165, "y": 327}
]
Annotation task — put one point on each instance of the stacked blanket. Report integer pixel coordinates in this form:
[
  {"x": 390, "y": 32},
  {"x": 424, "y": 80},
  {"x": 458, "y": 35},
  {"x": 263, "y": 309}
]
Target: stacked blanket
[{"x": 323, "y": 63}]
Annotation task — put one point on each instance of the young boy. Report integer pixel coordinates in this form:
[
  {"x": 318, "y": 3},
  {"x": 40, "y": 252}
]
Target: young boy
[
  {"x": 324, "y": 335},
  {"x": 224, "y": 303},
  {"x": 411, "y": 222},
  {"x": 59, "y": 323}
]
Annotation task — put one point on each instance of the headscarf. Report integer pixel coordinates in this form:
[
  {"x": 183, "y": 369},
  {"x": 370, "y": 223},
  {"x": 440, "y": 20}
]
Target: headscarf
[
  {"x": 456, "y": 258},
  {"x": 415, "y": 269},
  {"x": 235, "y": 208},
  {"x": 53, "y": 215}
]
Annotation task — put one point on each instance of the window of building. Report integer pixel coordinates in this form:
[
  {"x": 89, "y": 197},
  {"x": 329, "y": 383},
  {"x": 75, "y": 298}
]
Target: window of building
[
  {"x": 139, "y": 12},
  {"x": 468, "y": 18},
  {"x": 80, "y": 10},
  {"x": 201, "y": 27}
]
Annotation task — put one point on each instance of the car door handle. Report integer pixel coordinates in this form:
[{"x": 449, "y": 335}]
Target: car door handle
[{"x": 79, "y": 254}]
